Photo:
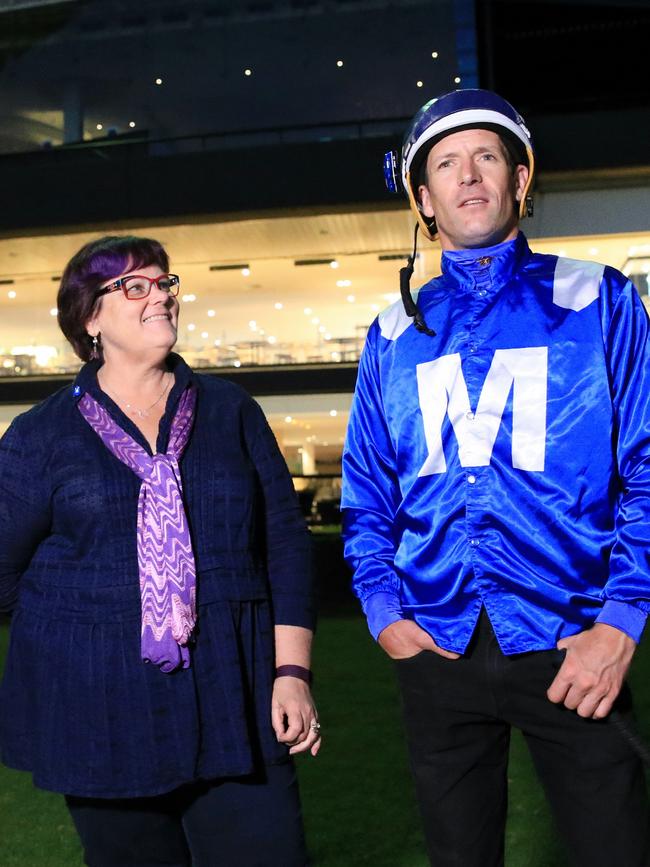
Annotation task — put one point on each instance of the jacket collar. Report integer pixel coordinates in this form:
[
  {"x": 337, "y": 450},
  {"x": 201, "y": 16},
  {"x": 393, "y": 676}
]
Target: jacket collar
[
  {"x": 490, "y": 266},
  {"x": 86, "y": 381}
]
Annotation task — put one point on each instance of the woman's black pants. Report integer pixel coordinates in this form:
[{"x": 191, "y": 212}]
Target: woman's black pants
[
  {"x": 458, "y": 715},
  {"x": 240, "y": 822}
]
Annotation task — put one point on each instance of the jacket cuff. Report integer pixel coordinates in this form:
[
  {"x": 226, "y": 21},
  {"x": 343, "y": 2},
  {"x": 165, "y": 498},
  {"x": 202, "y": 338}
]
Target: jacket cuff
[
  {"x": 621, "y": 615},
  {"x": 291, "y": 610},
  {"x": 382, "y": 609}
]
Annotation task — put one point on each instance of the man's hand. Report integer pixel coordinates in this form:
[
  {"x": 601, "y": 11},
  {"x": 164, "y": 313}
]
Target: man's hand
[
  {"x": 405, "y": 638},
  {"x": 593, "y": 670}
]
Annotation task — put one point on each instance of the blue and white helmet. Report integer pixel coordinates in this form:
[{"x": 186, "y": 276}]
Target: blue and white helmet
[{"x": 451, "y": 112}]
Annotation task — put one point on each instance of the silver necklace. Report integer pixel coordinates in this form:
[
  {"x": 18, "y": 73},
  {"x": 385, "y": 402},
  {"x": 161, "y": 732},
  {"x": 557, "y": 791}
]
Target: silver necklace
[{"x": 144, "y": 413}]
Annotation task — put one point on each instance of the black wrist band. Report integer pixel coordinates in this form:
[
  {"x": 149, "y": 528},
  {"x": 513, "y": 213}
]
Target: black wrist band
[{"x": 294, "y": 671}]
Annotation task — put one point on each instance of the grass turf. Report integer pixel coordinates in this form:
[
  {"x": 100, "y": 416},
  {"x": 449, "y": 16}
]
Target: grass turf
[{"x": 357, "y": 795}]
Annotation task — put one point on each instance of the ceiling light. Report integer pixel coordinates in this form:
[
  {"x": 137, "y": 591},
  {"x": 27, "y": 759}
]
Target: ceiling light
[
  {"x": 188, "y": 298},
  {"x": 100, "y": 126},
  {"x": 307, "y": 311},
  {"x": 252, "y": 324},
  {"x": 271, "y": 339},
  {"x": 315, "y": 320},
  {"x": 236, "y": 363},
  {"x": 132, "y": 124},
  {"x": 434, "y": 54},
  {"x": 217, "y": 342},
  {"x": 248, "y": 72},
  {"x": 204, "y": 335},
  {"x": 457, "y": 79},
  {"x": 191, "y": 326},
  {"x": 299, "y": 262},
  {"x": 245, "y": 272},
  {"x": 327, "y": 336},
  {"x": 211, "y": 313},
  {"x": 278, "y": 305},
  {"x": 334, "y": 264},
  {"x": 53, "y": 311},
  {"x": 159, "y": 81},
  {"x": 339, "y": 63},
  {"x": 11, "y": 294},
  {"x": 343, "y": 283},
  {"x": 322, "y": 329},
  {"x": 234, "y": 267},
  {"x": 288, "y": 419},
  {"x": 351, "y": 299},
  {"x": 333, "y": 413},
  {"x": 390, "y": 257},
  {"x": 419, "y": 84},
  {"x": 374, "y": 307}
]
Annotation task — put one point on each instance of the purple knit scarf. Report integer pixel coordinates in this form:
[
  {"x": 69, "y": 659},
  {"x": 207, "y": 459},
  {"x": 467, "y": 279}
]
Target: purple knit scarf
[{"x": 165, "y": 558}]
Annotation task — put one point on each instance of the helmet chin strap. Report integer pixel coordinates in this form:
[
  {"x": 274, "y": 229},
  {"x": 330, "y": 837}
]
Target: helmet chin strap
[{"x": 410, "y": 306}]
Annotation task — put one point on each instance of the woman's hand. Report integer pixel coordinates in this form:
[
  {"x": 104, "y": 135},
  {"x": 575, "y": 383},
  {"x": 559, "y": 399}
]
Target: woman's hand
[{"x": 294, "y": 716}]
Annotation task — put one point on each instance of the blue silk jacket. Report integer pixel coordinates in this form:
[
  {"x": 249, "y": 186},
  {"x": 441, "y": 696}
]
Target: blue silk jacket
[{"x": 504, "y": 462}]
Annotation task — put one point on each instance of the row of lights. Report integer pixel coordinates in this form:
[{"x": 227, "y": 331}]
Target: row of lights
[
  {"x": 339, "y": 64},
  {"x": 420, "y": 83}
]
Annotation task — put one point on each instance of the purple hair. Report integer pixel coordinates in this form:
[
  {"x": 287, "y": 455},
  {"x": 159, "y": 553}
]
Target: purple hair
[{"x": 97, "y": 262}]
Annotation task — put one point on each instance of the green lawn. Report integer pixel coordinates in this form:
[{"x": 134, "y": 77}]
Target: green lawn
[{"x": 358, "y": 803}]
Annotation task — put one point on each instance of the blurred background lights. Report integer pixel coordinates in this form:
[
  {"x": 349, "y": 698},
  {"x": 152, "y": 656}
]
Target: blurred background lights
[
  {"x": 132, "y": 124},
  {"x": 434, "y": 54},
  {"x": 159, "y": 81},
  {"x": 248, "y": 72},
  {"x": 191, "y": 326},
  {"x": 278, "y": 305},
  {"x": 211, "y": 313},
  {"x": 53, "y": 311},
  {"x": 245, "y": 272},
  {"x": 334, "y": 264},
  {"x": 343, "y": 283},
  {"x": 457, "y": 79},
  {"x": 419, "y": 83},
  {"x": 11, "y": 293},
  {"x": 339, "y": 63}
]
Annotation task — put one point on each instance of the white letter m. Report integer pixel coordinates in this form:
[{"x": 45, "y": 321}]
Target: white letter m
[{"x": 442, "y": 390}]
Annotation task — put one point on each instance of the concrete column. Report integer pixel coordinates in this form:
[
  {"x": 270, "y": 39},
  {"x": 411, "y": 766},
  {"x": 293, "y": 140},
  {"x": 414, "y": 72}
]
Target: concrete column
[
  {"x": 308, "y": 459},
  {"x": 73, "y": 120}
]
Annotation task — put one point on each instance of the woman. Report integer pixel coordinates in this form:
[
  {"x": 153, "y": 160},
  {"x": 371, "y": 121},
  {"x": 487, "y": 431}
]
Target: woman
[{"x": 153, "y": 550}]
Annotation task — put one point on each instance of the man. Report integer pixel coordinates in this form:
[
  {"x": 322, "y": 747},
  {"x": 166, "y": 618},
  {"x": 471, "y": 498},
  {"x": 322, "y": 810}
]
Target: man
[{"x": 497, "y": 502}]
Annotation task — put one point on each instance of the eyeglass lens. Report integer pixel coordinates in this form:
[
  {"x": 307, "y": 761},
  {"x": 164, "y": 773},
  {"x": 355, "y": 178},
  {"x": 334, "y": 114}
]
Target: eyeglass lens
[{"x": 139, "y": 287}]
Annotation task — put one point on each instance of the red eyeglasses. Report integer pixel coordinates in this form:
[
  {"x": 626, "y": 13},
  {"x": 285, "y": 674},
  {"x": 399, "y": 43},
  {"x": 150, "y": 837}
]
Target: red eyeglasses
[{"x": 137, "y": 286}]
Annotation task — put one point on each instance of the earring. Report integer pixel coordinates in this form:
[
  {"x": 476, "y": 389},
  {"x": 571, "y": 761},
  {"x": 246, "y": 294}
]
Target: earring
[{"x": 94, "y": 353}]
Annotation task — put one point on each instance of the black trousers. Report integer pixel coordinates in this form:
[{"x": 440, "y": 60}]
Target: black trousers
[
  {"x": 458, "y": 715},
  {"x": 240, "y": 822}
]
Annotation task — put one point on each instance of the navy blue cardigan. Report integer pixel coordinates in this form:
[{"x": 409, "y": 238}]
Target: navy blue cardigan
[{"x": 78, "y": 707}]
